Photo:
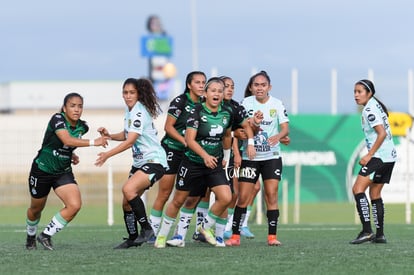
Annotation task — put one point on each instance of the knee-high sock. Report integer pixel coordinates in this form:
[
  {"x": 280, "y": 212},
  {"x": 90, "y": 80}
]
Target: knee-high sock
[
  {"x": 272, "y": 219},
  {"x": 138, "y": 208},
  {"x": 238, "y": 215},
  {"x": 362, "y": 206},
  {"x": 184, "y": 221},
  {"x": 155, "y": 220},
  {"x": 131, "y": 225},
  {"x": 56, "y": 224},
  {"x": 378, "y": 215}
]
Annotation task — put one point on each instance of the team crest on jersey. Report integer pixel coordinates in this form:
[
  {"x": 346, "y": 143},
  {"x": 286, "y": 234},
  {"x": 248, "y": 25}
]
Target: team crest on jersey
[
  {"x": 225, "y": 120},
  {"x": 272, "y": 112}
]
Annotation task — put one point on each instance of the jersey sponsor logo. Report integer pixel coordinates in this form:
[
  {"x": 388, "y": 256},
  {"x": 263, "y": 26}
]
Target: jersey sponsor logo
[
  {"x": 177, "y": 99},
  {"x": 215, "y": 130},
  {"x": 248, "y": 172},
  {"x": 138, "y": 114},
  {"x": 371, "y": 117},
  {"x": 137, "y": 123},
  {"x": 188, "y": 109}
]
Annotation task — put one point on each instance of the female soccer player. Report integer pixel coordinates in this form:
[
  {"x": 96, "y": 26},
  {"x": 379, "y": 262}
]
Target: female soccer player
[
  {"x": 51, "y": 168},
  {"x": 269, "y": 116},
  {"x": 377, "y": 164},
  {"x": 208, "y": 133},
  {"x": 149, "y": 160},
  {"x": 174, "y": 141}
]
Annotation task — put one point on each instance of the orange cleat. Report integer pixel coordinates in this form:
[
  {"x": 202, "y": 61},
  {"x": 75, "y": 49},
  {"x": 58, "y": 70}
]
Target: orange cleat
[
  {"x": 272, "y": 240},
  {"x": 233, "y": 241}
]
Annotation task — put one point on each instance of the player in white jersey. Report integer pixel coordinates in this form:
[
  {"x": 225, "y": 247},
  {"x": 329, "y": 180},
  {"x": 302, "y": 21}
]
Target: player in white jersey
[
  {"x": 269, "y": 117},
  {"x": 377, "y": 164},
  {"x": 149, "y": 159}
]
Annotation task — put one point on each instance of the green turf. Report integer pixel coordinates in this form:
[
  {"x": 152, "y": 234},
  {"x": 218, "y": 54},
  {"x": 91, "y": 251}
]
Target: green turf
[
  {"x": 317, "y": 246},
  {"x": 306, "y": 249}
]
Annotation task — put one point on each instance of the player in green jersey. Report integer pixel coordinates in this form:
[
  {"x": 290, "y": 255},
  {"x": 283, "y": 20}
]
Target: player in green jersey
[{"x": 51, "y": 168}]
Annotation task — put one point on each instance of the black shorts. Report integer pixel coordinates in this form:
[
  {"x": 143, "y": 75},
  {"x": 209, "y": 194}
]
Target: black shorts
[
  {"x": 174, "y": 158},
  {"x": 41, "y": 182},
  {"x": 155, "y": 170},
  {"x": 196, "y": 178},
  {"x": 379, "y": 172},
  {"x": 269, "y": 169}
]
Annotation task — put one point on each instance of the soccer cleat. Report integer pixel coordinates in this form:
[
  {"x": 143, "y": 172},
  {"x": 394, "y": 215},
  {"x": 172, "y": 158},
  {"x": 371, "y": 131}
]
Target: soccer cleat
[
  {"x": 31, "y": 242},
  {"x": 208, "y": 234},
  {"x": 227, "y": 234},
  {"x": 127, "y": 243},
  {"x": 199, "y": 237},
  {"x": 379, "y": 239},
  {"x": 145, "y": 236},
  {"x": 272, "y": 240},
  {"x": 45, "y": 241},
  {"x": 176, "y": 241},
  {"x": 233, "y": 241},
  {"x": 363, "y": 237},
  {"x": 160, "y": 241},
  {"x": 220, "y": 242},
  {"x": 245, "y": 232},
  {"x": 152, "y": 240}
]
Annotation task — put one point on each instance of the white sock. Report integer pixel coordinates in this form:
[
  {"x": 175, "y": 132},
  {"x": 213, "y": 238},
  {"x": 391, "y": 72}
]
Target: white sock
[
  {"x": 201, "y": 210},
  {"x": 155, "y": 221},
  {"x": 220, "y": 226},
  {"x": 229, "y": 223},
  {"x": 166, "y": 225},
  {"x": 55, "y": 225},
  {"x": 246, "y": 218},
  {"x": 209, "y": 221},
  {"x": 184, "y": 222},
  {"x": 31, "y": 227}
]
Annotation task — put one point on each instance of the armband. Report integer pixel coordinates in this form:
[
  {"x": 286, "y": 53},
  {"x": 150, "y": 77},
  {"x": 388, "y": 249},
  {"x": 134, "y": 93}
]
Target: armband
[
  {"x": 250, "y": 141},
  {"x": 91, "y": 142}
]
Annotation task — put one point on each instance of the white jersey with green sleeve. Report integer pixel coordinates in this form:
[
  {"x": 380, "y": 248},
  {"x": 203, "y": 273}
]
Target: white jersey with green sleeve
[
  {"x": 147, "y": 148},
  {"x": 372, "y": 115},
  {"x": 274, "y": 114}
]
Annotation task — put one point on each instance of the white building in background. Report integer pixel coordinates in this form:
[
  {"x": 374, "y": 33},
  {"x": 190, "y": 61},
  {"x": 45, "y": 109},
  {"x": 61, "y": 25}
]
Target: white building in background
[
  {"x": 37, "y": 95},
  {"x": 49, "y": 94}
]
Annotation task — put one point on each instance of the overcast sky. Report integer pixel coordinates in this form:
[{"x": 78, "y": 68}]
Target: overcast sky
[{"x": 99, "y": 40}]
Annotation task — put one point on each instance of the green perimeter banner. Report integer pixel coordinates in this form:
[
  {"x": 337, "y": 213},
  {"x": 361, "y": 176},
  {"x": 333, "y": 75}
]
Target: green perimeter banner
[{"x": 321, "y": 150}]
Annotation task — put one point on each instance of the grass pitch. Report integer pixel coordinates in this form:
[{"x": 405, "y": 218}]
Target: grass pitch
[{"x": 86, "y": 247}]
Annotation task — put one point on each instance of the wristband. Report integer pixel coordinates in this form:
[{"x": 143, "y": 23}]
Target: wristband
[
  {"x": 91, "y": 142},
  {"x": 250, "y": 141},
  {"x": 226, "y": 155}
]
